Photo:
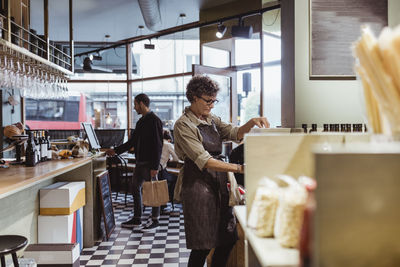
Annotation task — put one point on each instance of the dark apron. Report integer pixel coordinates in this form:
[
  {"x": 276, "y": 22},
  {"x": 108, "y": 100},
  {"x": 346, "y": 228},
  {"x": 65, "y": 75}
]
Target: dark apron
[{"x": 209, "y": 221}]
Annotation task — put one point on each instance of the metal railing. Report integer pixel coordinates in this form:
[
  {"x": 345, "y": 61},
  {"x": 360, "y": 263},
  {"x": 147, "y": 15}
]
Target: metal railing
[{"x": 35, "y": 44}]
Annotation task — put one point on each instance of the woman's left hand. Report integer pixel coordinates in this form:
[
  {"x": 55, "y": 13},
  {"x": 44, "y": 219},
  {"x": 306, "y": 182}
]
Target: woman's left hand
[{"x": 261, "y": 122}]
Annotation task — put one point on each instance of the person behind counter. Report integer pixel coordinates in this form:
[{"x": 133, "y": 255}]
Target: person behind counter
[
  {"x": 168, "y": 153},
  {"x": 147, "y": 142},
  {"x": 209, "y": 221}
]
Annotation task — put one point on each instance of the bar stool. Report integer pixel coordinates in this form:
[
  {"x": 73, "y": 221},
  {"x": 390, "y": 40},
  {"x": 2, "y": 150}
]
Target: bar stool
[{"x": 10, "y": 244}]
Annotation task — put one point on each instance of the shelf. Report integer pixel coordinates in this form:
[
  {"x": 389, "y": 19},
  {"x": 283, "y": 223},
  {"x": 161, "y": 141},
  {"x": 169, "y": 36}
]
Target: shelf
[
  {"x": 267, "y": 250},
  {"x": 29, "y": 54}
]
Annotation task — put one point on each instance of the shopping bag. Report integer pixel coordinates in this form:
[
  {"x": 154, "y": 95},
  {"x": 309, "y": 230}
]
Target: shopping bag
[
  {"x": 155, "y": 193},
  {"x": 235, "y": 194}
]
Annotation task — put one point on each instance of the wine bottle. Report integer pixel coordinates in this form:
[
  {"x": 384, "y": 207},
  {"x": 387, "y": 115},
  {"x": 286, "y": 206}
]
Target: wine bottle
[
  {"x": 37, "y": 144},
  {"x": 43, "y": 147},
  {"x": 313, "y": 127},
  {"x": 31, "y": 152},
  {"x": 304, "y": 126},
  {"x": 49, "y": 153}
]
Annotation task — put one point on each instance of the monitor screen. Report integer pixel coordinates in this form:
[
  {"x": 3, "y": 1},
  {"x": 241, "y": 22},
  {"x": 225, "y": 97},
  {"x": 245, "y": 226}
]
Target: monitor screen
[{"x": 91, "y": 135}]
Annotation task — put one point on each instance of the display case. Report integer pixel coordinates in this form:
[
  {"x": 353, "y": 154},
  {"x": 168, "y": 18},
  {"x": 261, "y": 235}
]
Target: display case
[{"x": 267, "y": 155}]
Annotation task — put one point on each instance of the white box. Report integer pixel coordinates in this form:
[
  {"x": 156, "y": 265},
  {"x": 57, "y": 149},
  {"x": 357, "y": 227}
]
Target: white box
[
  {"x": 62, "y": 198},
  {"x": 54, "y": 254},
  {"x": 23, "y": 262},
  {"x": 61, "y": 228}
]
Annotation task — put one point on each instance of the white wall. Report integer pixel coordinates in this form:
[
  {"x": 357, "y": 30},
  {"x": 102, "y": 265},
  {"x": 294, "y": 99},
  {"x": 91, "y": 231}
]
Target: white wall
[
  {"x": 394, "y": 9},
  {"x": 320, "y": 101}
]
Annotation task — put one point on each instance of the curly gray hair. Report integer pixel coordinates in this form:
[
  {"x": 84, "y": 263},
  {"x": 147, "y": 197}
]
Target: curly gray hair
[{"x": 201, "y": 85}]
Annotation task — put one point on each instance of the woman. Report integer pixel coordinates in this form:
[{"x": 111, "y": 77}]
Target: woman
[
  {"x": 167, "y": 154},
  {"x": 209, "y": 221}
]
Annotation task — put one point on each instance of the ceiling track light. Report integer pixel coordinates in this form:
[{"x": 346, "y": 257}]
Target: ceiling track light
[
  {"x": 221, "y": 29},
  {"x": 242, "y": 31}
]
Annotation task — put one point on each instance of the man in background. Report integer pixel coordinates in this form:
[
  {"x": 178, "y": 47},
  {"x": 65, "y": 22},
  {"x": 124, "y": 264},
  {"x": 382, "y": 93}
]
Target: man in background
[{"x": 147, "y": 142}]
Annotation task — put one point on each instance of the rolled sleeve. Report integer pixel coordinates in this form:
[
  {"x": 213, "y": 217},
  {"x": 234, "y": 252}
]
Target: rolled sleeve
[
  {"x": 202, "y": 159},
  {"x": 188, "y": 144},
  {"x": 226, "y": 130}
]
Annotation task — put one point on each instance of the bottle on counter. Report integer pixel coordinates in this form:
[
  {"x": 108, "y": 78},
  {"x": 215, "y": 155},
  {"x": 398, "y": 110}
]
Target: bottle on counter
[
  {"x": 313, "y": 127},
  {"x": 37, "y": 144},
  {"x": 49, "y": 151},
  {"x": 326, "y": 128},
  {"x": 43, "y": 147},
  {"x": 304, "y": 126},
  {"x": 31, "y": 151},
  {"x": 336, "y": 127}
]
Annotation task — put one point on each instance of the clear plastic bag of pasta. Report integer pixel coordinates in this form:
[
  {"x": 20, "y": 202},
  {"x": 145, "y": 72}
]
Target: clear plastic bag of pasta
[
  {"x": 289, "y": 216},
  {"x": 263, "y": 209}
]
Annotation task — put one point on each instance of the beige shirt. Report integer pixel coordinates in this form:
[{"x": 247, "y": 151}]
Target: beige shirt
[
  {"x": 167, "y": 153},
  {"x": 188, "y": 139}
]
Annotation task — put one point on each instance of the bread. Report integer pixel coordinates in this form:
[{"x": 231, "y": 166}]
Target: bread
[{"x": 11, "y": 130}]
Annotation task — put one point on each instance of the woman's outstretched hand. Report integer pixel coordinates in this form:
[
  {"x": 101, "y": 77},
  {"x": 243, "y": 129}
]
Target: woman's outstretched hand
[{"x": 261, "y": 122}]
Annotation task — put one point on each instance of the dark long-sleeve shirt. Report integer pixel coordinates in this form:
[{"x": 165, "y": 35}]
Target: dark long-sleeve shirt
[{"x": 147, "y": 141}]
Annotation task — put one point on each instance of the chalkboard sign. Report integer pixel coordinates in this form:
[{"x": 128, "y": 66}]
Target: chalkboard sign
[{"x": 106, "y": 201}]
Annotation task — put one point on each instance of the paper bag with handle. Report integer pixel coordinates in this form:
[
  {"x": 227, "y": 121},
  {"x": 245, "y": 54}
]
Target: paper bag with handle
[{"x": 155, "y": 193}]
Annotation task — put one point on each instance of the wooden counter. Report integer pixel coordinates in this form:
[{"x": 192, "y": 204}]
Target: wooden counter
[
  {"x": 19, "y": 177},
  {"x": 265, "y": 252},
  {"x": 19, "y": 194}
]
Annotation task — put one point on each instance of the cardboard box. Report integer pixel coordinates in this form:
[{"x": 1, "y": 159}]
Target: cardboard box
[
  {"x": 62, "y": 198},
  {"x": 61, "y": 228},
  {"x": 54, "y": 254}
]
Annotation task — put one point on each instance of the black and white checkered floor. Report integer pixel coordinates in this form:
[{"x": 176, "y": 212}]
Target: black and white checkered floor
[{"x": 165, "y": 247}]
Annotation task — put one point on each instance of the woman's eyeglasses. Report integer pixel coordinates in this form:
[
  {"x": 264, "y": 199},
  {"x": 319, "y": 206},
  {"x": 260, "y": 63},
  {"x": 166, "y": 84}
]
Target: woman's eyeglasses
[{"x": 209, "y": 102}]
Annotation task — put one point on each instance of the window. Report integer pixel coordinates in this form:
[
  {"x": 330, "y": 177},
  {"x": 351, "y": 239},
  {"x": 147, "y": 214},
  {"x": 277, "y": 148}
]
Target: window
[
  {"x": 170, "y": 55},
  {"x": 272, "y": 79},
  {"x": 215, "y": 57},
  {"x": 190, "y": 60},
  {"x": 248, "y": 90},
  {"x": 222, "y": 108},
  {"x": 247, "y": 51},
  {"x": 104, "y": 103},
  {"x": 167, "y": 98}
]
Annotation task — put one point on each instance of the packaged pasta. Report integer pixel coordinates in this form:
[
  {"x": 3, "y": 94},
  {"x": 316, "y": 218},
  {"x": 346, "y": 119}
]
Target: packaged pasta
[
  {"x": 263, "y": 209},
  {"x": 289, "y": 216}
]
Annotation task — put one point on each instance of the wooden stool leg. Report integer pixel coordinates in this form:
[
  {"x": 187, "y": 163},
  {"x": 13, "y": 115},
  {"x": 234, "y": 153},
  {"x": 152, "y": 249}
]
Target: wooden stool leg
[
  {"x": 3, "y": 261},
  {"x": 15, "y": 259}
]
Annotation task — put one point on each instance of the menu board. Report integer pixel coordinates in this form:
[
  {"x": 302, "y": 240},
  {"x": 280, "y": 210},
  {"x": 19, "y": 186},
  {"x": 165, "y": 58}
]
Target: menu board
[{"x": 106, "y": 201}]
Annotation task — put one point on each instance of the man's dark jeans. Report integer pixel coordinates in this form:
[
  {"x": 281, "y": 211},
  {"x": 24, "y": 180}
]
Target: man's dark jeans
[{"x": 142, "y": 173}]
